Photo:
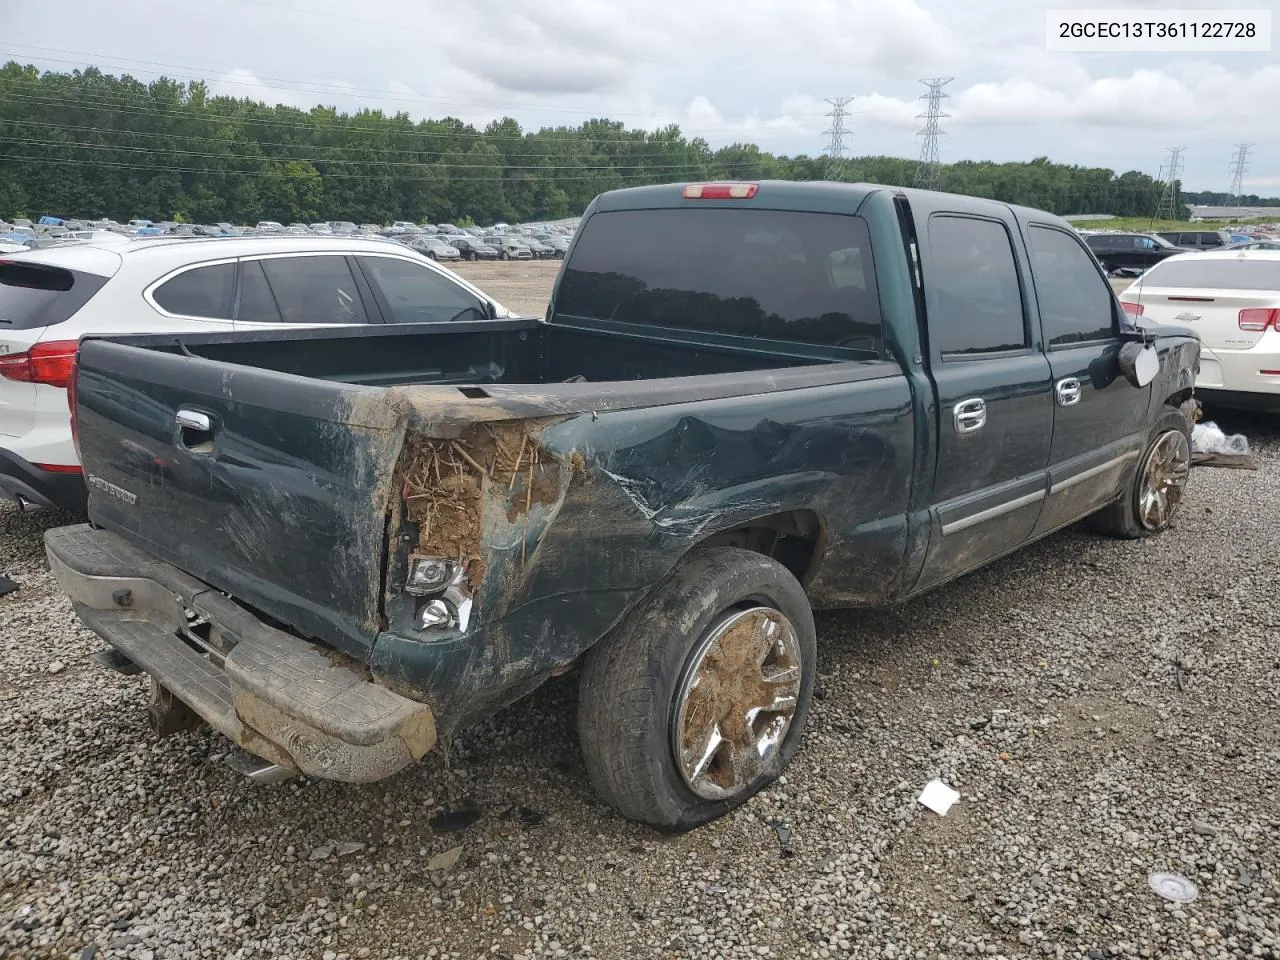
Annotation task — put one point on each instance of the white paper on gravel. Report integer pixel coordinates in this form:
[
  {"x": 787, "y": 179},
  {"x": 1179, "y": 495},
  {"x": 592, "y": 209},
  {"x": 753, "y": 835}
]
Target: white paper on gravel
[{"x": 938, "y": 797}]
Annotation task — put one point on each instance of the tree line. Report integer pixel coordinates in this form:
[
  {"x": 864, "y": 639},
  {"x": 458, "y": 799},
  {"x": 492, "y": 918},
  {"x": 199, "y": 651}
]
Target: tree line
[
  {"x": 1212, "y": 198},
  {"x": 89, "y": 144}
]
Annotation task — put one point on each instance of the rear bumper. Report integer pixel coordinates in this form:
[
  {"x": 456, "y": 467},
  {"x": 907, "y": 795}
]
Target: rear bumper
[
  {"x": 288, "y": 701},
  {"x": 1242, "y": 371},
  {"x": 20, "y": 480}
]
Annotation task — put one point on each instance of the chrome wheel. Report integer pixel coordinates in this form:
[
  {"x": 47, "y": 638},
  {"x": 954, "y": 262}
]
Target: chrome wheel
[
  {"x": 1164, "y": 477},
  {"x": 735, "y": 703}
]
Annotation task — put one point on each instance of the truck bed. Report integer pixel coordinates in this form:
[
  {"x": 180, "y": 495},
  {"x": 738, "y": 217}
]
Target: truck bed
[
  {"x": 498, "y": 351},
  {"x": 328, "y": 463}
]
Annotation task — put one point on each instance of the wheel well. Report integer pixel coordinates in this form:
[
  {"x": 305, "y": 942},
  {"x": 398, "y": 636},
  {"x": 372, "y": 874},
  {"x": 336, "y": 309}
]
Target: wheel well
[{"x": 793, "y": 538}]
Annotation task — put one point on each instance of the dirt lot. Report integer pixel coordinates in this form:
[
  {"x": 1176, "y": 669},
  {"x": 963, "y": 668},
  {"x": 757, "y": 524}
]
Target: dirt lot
[
  {"x": 1106, "y": 708},
  {"x": 522, "y": 287}
]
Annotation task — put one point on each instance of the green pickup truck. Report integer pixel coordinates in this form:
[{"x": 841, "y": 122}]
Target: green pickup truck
[{"x": 745, "y": 401}]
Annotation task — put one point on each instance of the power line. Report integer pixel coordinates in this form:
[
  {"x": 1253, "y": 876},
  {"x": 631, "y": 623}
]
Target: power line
[
  {"x": 497, "y": 171},
  {"x": 1170, "y": 203},
  {"x": 231, "y": 155},
  {"x": 1239, "y": 164},
  {"x": 835, "y": 146},
  {"x": 927, "y": 170}
]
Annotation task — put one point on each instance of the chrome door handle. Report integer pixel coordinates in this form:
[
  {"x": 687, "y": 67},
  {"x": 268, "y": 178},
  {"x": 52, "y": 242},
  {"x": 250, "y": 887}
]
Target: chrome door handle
[
  {"x": 193, "y": 420},
  {"x": 970, "y": 415},
  {"x": 1067, "y": 391}
]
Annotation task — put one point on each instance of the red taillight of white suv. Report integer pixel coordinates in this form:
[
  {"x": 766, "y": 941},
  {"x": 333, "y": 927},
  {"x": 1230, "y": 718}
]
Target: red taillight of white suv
[{"x": 52, "y": 363}]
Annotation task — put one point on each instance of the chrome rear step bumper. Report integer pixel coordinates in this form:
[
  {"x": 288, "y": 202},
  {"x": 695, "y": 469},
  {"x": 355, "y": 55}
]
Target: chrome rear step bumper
[{"x": 277, "y": 696}]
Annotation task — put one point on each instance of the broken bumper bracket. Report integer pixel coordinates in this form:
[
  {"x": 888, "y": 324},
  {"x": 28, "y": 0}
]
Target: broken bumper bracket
[{"x": 275, "y": 695}]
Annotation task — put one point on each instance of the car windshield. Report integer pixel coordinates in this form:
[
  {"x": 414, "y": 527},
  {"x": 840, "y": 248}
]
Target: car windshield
[
  {"x": 1227, "y": 273},
  {"x": 1162, "y": 242}
]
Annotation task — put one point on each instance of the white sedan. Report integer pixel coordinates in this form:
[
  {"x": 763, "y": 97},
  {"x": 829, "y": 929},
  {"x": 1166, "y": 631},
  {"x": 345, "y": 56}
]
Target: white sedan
[{"x": 1231, "y": 299}]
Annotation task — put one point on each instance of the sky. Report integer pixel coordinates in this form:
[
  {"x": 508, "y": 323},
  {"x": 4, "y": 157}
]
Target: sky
[{"x": 726, "y": 70}]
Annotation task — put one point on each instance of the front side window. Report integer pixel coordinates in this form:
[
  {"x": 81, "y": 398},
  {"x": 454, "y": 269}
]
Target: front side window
[
  {"x": 417, "y": 294},
  {"x": 204, "y": 292},
  {"x": 975, "y": 300},
  {"x": 1075, "y": 303}
]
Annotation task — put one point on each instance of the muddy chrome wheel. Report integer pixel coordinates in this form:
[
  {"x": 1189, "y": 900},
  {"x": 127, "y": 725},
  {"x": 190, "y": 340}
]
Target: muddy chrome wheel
[
  {"x": 1164, "y": 477},
  {"x": 736, "y": 701}
]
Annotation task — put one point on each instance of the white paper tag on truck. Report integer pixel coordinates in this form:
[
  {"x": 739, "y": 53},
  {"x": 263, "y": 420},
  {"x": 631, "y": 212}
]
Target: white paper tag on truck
[{"x": 1158, "y": 31}]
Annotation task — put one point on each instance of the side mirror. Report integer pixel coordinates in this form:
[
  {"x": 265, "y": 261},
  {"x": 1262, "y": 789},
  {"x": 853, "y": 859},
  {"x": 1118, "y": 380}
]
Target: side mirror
[{"x": 1139, "y": 362}]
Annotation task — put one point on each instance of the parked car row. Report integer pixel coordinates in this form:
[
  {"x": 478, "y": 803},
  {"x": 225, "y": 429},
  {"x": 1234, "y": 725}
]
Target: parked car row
[
  {"x": 47, "y": 230},
  {"x": 1122, "y": 253}
]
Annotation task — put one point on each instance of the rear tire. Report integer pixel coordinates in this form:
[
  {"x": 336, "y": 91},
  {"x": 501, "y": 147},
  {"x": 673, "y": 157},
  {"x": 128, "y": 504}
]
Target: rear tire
[
  {"x": 1158, "y": 486},
  {"x": 671, "y": 705}
]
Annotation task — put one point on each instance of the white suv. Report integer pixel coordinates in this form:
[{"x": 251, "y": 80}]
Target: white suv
[{"x": 50, "y": 298}]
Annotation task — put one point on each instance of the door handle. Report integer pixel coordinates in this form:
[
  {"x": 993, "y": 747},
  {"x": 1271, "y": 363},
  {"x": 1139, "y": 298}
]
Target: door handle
[
  {"x": 1067, "y": 391},
  {"x": 193, "y": 420},
  {"x": 970, "y": 415},
  {"x": 195, "y": 430}
]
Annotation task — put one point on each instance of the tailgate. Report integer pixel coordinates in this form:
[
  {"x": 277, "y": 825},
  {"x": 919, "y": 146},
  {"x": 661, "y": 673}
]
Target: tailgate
[{"x": 281, "y": 502}]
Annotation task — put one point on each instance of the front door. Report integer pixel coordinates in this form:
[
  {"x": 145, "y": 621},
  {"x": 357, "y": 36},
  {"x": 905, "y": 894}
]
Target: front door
[
  {"x": 995, "y": 415},
  {"x": 1099, "y": 418}
]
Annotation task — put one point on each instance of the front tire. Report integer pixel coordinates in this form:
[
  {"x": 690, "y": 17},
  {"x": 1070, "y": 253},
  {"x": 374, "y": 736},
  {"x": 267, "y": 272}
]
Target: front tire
[
  {"x": 1158, "y": 486},
  {"x": 698, "y": 699},
  {"x": 505, "y": 255}
]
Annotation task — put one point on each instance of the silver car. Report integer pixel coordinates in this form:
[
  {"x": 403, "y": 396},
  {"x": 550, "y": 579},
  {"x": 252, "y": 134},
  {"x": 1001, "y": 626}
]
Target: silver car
[{"x": 435, "y": 249}]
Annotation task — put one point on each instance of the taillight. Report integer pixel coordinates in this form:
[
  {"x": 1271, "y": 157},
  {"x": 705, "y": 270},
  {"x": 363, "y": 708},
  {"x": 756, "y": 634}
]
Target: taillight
[
  {"x": 721, "y": 191},
  {"x": 75, "y": 414},
  {"x": 51, "y": 364},
  {"x": 1257, "y": 319},
  {"x": 1132, "y": 309}
]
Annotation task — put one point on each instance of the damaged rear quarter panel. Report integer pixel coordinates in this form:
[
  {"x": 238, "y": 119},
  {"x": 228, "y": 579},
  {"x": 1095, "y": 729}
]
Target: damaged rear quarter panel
[{"x": 639, "y": 488}]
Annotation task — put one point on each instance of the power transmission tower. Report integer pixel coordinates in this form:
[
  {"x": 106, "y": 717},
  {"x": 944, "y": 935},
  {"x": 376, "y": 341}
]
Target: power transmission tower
[
  {"x": 835, "y": 146},
  {"x": 927, "y": 169},
  {"x": 1171, "y": 195},
  {"x": 1239, "y": 164}
]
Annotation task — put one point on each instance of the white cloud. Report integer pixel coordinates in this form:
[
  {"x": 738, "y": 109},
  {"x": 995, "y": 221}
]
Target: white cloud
[
  {"x": 726, "y": 70},
  {"x": 1145, "y": 98}
]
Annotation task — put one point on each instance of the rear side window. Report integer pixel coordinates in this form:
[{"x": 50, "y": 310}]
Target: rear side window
[
  {"x": 1227, "y": 273},
  {"x": 417, "y": 294},
  {"x": 39, "y": 295},
  {"x": 204, "y": 292},
  {"x": 795, "y": 277},
  {"x": 1075, "y": 303},
  {"x": 314, "y": 290},
  {"x": 974, "y": 298}
]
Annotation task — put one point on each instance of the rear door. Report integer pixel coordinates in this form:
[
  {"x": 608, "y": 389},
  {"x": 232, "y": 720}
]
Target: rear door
[
  {"x": 1099, "y": 418},
  {"x": 995, "y": 415},
  {"x": 302, "y": 290}
]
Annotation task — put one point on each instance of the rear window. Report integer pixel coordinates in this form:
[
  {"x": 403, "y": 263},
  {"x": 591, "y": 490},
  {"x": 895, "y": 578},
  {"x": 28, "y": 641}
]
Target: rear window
[
  {"x": 39, "y": 295},
  {"x": 1224, "y": 274},
  {"x": 804, "y": 278}
]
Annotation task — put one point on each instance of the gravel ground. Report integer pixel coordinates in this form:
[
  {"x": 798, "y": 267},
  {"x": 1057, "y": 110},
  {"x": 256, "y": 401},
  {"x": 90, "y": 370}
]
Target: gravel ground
[{"x": 1105, "y": 708}]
